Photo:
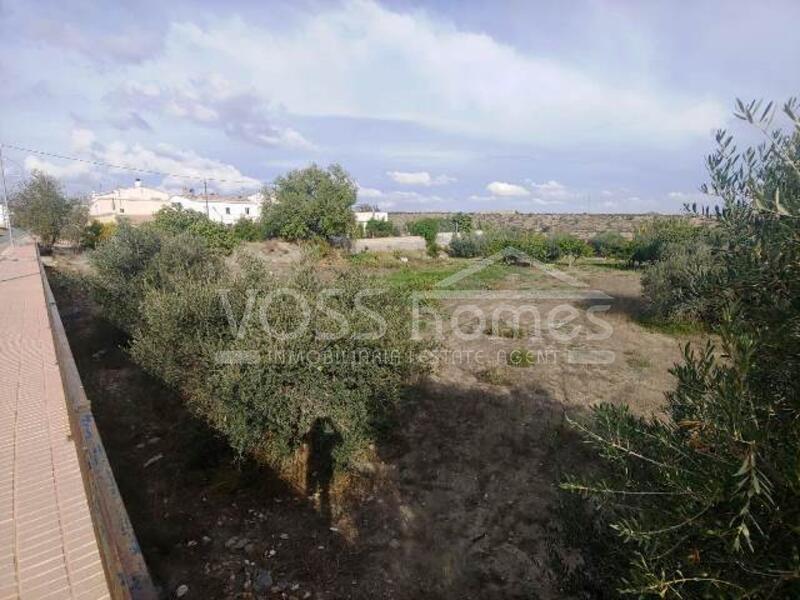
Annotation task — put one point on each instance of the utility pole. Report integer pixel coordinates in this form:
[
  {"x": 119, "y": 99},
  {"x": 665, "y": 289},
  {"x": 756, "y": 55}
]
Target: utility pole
[
  {"x": 205, "y": 193},
  {"x": 5, "y": 198}
]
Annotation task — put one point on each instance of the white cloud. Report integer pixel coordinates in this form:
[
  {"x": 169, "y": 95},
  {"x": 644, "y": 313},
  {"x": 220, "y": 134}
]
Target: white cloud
[
  {"x": 688, "y": 196},
  {"x": 214, "y": 102},
  {"x": 501, "y": 188},
  {"x": 182, "y": 167},
  {"x": 365, "y": 192},
  {"x": 550, "y": 189},
  {"x": 419, "y": 178},
  {"x": 552, "y": 193},
  {"x": 82, "y": 139},
  {"x": 131, "y": 45},
  {"x": 332, "y": 61},
  {"x": 413, "y": 200},
  {"x": 72, "y": 171}
]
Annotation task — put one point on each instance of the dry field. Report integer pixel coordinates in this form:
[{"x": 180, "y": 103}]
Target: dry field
[{"x": 459, "y": 499}]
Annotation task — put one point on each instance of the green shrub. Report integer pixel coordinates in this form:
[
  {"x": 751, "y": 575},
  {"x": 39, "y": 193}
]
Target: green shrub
[
  {"x": 41, "y": 207},
  {"x": 467, "y": 246},
  {"x": 458, "y": 223},
  {"x": 681, "y": 286},
  {"x": 176, "y": 220},
  {"x": 565, "y": 245},
  {"x": 463, "y": 223},
  {"x": 428, "y": 229},
  {"x": 136, "y": 258},
  {"x": 311, "y": 202},
  {"x": 74, "y": 227},
  {"x": 611, "y": 244},
  {"x": 269, "y": 408},
  {"x": 378, "y": 229},
  {"x": 183, "y": 307},
  {"x": 651, "y": 239},
  {"x": 534, "y": 245},
  {"x": 704, "y": 502},
  {"x": 246, "y": 230},
  {"x": 107, "y": 230},
  {"x": 92, "y": 234}
]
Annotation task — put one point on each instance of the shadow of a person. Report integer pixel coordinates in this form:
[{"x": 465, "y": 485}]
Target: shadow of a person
[{"x": 324, "y": 438}]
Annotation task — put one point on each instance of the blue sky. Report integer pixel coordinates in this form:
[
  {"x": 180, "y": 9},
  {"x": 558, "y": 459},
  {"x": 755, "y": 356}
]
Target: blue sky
[{"x": 529, "y": 106}]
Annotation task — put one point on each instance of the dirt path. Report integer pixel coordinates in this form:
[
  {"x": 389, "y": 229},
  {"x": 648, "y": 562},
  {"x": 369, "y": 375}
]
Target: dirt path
[{"x": 467, "y": 487}]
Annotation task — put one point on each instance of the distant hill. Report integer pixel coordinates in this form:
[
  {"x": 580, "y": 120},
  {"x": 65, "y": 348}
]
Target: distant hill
[{"x": 582, "y": 225}]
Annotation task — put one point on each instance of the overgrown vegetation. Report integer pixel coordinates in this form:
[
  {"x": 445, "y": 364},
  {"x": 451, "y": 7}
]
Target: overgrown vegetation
[
  {"x": 137, "y": 259},
  {"x": 706, "y": 503},
  {"x": 611, "y": 244},
  {"x": 261, "y": 358},
  {"x": 96, "y": 232},
  {"x": 41, "y": 207},
  {"x": 467, "y": 246},
  {"x": 375, "y": 228},
  {"x": 176, "y": 220},
  {"x": 537, "y": 246},
  {"x": 682, "y": 285},
  {"x": 427, "y": 229},
  {"x": 246, "y": 230},
  {"x": 311, "y": 203},
  {"x": 652, "y": 239}
]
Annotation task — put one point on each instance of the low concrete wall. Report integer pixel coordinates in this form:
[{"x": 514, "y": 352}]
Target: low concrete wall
[
  {"x": 408, "y": 243},
  {"x": 443, "y": 238},
  {"x": 402, "y": 243}
]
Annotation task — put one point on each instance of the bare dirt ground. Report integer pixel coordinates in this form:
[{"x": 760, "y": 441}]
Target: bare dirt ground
[{"x": 457, "y": 504}]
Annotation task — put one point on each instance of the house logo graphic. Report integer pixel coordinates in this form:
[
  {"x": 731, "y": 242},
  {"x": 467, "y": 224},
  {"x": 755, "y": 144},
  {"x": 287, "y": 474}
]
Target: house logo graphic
[{"x": 559, "y": 310}]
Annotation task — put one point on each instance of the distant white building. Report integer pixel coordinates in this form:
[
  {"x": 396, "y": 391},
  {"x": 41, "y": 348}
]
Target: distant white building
[
  {"x": 364, "y": 217},
  {"x": 140, "y": 203},
  {"x": 223, "y": 209},
  {"x": 3, "y": 217},
  {"x": 137, "y": 203}
]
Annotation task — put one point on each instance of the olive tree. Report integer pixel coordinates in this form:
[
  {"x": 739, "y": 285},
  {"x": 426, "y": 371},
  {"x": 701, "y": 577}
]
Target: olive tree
[
  {"x": 311, "y": 203},
  {"x": 704, "y": 502},
  {"x": 41, "y": 207}
]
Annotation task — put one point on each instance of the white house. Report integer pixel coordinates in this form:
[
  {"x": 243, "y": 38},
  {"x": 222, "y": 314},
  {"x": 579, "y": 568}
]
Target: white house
[
  {"x": 3, "y": 217},
  {"x": 137, "y": 202},
  {"x": 364, "y": 217},
  {"x": 140, "y": 203},
  {"x": 223, "y": 209}
]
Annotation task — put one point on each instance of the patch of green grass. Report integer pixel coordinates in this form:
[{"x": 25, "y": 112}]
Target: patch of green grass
[
  {"x": 521, "y": 357},
  {"x": 604, "y": 264},
  {"x": 425, "y": 275},
  {"x": 364, "y": 259},
  {"x": 418, "y": 277},
  {"x": 671, "y": 327}
]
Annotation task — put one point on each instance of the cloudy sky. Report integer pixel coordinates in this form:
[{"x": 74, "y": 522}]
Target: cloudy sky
[{"x": 534, "y": 106}]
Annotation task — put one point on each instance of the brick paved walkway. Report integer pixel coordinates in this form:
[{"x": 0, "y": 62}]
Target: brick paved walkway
[{"x": 48, "y": 547}]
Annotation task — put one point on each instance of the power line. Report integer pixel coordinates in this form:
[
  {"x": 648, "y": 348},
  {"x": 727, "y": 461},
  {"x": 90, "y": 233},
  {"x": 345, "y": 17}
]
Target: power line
[{"x": 101, "y": 163}]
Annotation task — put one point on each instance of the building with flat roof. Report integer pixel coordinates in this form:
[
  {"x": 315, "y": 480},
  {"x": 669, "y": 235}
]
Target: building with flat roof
[
  {"x": 223, "y": 209},
  {"x": 140, "y": 203},
  {"x": 137, "y": 203}
]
